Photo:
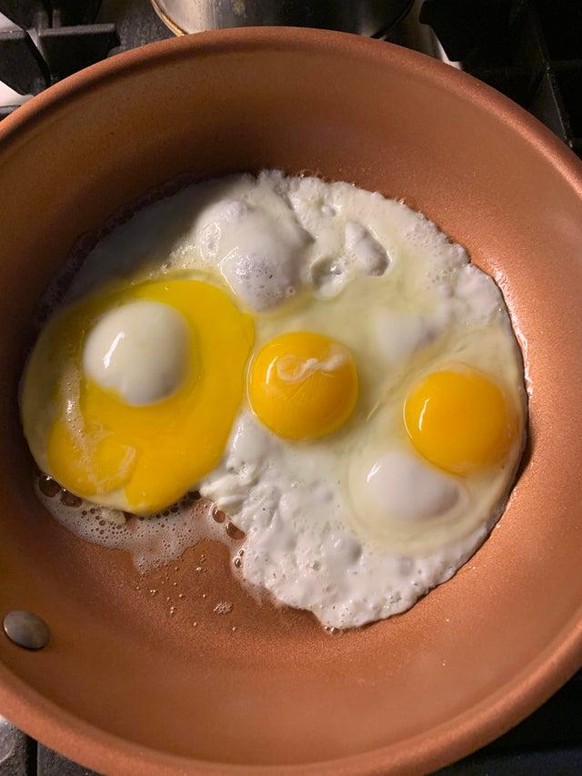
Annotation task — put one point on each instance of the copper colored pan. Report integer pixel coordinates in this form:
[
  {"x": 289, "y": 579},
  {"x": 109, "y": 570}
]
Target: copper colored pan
[{"x": 126, "y": 687}]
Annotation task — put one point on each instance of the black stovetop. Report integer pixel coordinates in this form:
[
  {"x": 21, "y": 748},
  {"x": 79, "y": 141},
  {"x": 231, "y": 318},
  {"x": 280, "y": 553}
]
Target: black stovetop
[{"x": 531, "y": 50}]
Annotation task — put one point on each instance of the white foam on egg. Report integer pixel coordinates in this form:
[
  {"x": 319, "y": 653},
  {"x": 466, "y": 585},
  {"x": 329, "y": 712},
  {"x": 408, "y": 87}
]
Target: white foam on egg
[
  {"x": 214, "y": 221},
  {"x": 364, "y": 250},
  {"x": 151, "y": 541},
  {"x": 305, "y": 553},
  {"x": 481, "y": 298},
  {"x": 256, "y": 247}
]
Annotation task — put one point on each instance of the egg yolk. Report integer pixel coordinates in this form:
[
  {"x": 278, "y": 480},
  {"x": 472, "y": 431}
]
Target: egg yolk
[
  {"x": 460, "y": 420},
  {"x": 138, "y": 457},
  {"x": 303, "y": 385}
]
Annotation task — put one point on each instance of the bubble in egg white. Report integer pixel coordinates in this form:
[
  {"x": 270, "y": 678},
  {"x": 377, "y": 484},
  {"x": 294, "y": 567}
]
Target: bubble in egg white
[
  {"x": 364, "y": 250},
  {"x": 151, "y": 542},
  {"x": 212, "y": 223}
]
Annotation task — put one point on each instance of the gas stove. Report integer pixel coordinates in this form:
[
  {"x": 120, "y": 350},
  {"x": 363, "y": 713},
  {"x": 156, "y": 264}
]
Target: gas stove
[{"x": 531, "y": 50}]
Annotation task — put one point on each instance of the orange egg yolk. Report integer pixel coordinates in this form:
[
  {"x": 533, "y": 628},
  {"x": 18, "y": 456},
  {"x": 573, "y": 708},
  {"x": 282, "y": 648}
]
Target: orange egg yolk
[
  {"x": 460, "y": 420},
  {"x": 303, "y": 385}
]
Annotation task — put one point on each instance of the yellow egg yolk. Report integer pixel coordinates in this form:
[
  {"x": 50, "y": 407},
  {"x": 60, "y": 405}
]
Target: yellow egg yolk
[
  {"x": 303, "y": 385},
  {"x": 94, "y": 443},
  {"x": 460, "y": 420}
]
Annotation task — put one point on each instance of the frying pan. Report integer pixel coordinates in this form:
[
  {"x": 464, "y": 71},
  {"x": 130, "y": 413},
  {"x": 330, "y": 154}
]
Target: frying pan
[{"x": 125, "y": 686}]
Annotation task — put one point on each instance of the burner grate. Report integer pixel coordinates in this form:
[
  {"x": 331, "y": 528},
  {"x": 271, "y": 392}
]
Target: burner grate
[
  {"x": 42, "y": 42},
  {"x": 531, "y": 50}
]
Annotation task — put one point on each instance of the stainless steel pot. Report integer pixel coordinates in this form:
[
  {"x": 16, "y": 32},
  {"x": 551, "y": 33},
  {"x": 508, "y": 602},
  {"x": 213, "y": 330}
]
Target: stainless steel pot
[{"x": 366, "y": 17}]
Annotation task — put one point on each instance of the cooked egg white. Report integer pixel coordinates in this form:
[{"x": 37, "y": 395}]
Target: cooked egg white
[{"x": 372, "y": 435}]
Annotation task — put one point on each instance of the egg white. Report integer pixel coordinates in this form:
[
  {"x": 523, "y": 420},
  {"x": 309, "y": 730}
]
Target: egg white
[{"x": 302, "y": 254}]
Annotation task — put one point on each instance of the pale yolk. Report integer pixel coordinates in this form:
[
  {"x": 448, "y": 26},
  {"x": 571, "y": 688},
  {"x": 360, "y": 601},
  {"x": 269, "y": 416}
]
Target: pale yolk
[
  {"x": 95, "y": 444},
  {"x": 303, "y": 385},
  {"x": 460, "y": 420}
]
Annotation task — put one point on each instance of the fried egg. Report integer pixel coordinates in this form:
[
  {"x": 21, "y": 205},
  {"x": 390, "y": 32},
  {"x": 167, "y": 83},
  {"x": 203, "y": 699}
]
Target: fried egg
[
  {"x": 130, "y": 394},
  {"x": 322, "y": 363}
]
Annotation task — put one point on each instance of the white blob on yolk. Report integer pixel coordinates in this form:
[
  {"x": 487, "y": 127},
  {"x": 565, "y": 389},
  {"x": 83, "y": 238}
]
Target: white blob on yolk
[{"x": 138, "y": 350}]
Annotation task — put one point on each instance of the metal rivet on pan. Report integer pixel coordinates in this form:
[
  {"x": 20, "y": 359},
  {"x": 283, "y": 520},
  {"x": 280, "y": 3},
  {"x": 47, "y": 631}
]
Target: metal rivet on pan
[{"x": 26, "y": 629}]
